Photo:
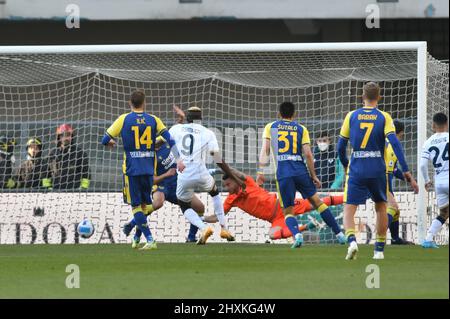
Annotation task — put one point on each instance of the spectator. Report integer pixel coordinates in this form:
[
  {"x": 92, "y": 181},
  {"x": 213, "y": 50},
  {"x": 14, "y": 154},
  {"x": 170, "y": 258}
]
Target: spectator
[
  {"x": 68, "y": 164},
  {"x": 7, "y": 160},
  {"x": 326, "y": 162},
  {"x": 33, "y": 173}
]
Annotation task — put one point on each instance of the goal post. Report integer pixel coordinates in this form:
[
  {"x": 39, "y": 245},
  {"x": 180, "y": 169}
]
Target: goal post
[{"x": 238, "y": 86}]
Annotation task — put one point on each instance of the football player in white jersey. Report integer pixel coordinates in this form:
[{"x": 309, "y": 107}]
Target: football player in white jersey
[
  {"x": 436, "y": 150},
  {"x": 194, "y": 142}
]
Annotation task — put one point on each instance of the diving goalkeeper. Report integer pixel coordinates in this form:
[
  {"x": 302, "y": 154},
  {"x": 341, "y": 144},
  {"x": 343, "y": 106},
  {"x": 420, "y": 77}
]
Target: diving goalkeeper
[{"x": 258, "y": 202}]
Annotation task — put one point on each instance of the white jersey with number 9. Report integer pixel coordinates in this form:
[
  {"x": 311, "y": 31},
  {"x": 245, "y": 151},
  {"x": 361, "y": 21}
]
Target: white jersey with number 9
[{"x": 194, "y": 142}]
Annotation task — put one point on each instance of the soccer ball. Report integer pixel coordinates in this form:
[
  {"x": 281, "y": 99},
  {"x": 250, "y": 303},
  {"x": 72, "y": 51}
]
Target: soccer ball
[{"x": 85, "y": 229}]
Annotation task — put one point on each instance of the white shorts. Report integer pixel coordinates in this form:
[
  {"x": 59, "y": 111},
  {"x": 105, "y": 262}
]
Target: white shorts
[
  {"x": 186, "y": 187},
  {"x": 442, "y": 195}
]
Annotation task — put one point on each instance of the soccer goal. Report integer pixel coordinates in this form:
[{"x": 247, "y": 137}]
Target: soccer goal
[{"x": 238, "y": 86}]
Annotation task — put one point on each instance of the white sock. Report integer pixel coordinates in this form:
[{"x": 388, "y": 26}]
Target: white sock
[
  {"x": 218, "y": 210},
  {"x": 435, "y": 227},
  {"x": 194, "y": 219}
]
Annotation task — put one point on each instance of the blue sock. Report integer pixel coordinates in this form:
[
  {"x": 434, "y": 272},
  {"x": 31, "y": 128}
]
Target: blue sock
[
  {"x": 141, "y": 222},
  {"x": 390, "y": 219},
  {"x": 328, "y": 218},
  {"x": 394, "y": 229},
  {"x": 379, "y": 244},
  {"x": 350, "y": 234},
  {"x": 292, "y": 224},
  {"x": 192, "y": 232},
  {"x": 137, "y": 235}
]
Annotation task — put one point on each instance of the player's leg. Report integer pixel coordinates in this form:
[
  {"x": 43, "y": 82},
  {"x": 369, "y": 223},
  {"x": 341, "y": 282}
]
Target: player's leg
[
  {"x": 279, "y": 230},
  {"x": 286, "y": 196},
  {"x": 355, "y": 193},
  {"x": 378, "y": 189},
  {"x": 436, "y": 224},
  {"x": 308, "y": 190},
  {"x": 208, "y": 184},
  {"x": 158, "y": 199},
  {"x": 141, "y": 188},
  {"x": 198, "y": 206},
  {"x": 185, "y": 193},
  {"x": 393, "y": 214}
]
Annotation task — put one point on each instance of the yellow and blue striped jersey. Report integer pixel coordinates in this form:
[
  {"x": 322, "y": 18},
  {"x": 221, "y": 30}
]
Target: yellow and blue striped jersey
[
  {"x": 287, "y": 139},
  {"x": 367, "y": 129},
  {"x": 390, "y": 158},
  {"x": 138, "y": 131}
]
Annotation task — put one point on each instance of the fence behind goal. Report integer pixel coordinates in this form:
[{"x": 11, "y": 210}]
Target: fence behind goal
[{"x": 238, "y": 90}]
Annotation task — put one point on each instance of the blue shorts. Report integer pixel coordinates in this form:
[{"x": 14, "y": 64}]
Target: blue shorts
[
  {"x": 137, "y": 190},
  {"x": 288, "y": 186},
  {"x": 169, "y": 191},
  {"x": 358, "y": 189},
  {"x": 390, "y": 183}
]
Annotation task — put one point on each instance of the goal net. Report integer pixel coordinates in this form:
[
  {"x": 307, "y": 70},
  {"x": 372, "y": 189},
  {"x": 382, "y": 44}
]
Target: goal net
[{"x": 238, "y": 87}]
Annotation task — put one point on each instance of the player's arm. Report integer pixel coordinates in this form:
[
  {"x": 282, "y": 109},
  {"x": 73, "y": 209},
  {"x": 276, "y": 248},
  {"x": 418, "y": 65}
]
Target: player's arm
[
  {"x": 227, "y": 170},
  {"x": 398, "y": 173},
  {"x": 264, "y": 154},
  {"x": 180, "y": 115},
  {"x": 309, "y": 157},
  {"x": 344, "y": 136},
  {"x": 159, "y": 178},
  {"x": 113, "y": 132},
  {"x": 389, "y": 132},
  {"x": 424, "y": 168},
  {"x": 214, "y": 150}
]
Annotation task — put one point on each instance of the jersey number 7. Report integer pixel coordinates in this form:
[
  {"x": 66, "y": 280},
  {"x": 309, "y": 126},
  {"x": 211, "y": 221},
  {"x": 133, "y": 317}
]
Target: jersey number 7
[{"x": 369, "y": 127}]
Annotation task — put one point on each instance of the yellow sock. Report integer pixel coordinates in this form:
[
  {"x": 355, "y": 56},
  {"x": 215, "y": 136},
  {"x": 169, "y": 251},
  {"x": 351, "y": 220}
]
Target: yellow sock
[{"x": 149, "y": 209}]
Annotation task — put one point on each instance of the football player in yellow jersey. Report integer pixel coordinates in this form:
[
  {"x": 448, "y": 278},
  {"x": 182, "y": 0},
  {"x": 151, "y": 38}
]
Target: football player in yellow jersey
[
  {"x": 393, "y": 170},
  {"x": 367, "y": 129}
]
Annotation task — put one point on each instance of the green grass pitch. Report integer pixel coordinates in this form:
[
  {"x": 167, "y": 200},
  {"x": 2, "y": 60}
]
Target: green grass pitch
[{"x": 220, "y": 271}]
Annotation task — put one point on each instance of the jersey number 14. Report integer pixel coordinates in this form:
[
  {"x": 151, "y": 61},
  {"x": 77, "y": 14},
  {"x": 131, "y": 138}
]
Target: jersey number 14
[{"x": 144, "y": 139}]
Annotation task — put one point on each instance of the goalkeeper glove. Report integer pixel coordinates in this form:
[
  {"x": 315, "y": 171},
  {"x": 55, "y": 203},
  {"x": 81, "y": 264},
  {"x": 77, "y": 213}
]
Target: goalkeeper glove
[{"x": 84, "y": 183}]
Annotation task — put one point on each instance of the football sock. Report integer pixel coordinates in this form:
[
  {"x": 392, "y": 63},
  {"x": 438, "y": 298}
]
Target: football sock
[
  {"x": 141, "y": 222},
  {"x": 292, "y": 224},
  {"x": 149, "y": 209},
  {"x": 435, "y": 227},
  {"x": 132, "y": 222},
  {"x": 137, "y": 235},
  {"x": 328, "y": 218},
  {"x": 193, "y": 218},
  {"x": 218, "y": 210},
  {"x": 350, "y": 234},
  {"x": 393, "y": 222},
  {"x": 379, "y": 243},
  {"x": 192, "y": 232}
]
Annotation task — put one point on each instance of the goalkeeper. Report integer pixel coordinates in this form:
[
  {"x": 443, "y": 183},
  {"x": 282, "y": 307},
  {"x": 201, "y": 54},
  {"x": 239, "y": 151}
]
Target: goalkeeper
[{"x": 258, "y": 202}]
